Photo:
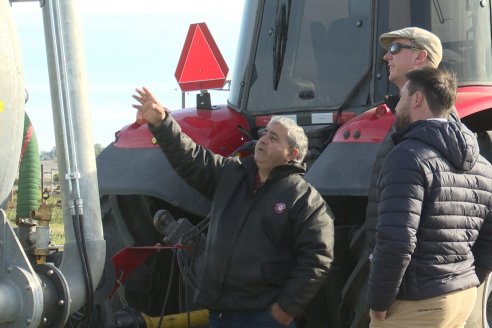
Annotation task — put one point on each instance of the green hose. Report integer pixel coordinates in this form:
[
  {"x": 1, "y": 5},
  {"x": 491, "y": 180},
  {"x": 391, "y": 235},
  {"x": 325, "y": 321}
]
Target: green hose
[{"x": 29, "y": 192}]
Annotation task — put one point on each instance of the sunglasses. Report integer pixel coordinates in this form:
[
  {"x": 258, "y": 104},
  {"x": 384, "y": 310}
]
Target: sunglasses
[{"x": 395, "y": 48}]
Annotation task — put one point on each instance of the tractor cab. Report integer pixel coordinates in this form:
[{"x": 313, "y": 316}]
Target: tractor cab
[
  {"x": 296, "y": 57},
  {"x": 309, "y": 58}
]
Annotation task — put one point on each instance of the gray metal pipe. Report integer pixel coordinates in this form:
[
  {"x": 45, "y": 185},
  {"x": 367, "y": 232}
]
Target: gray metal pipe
[
  {"x": 74, "y": 144},
  {"x": 9, "y": 303}
]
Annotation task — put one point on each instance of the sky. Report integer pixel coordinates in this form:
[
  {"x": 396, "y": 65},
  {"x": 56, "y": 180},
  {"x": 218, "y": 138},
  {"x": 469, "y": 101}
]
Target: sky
[{"x": 127, "y": 44}]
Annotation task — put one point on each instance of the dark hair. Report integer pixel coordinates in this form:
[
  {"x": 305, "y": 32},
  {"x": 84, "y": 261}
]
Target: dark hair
[{"x": 437, "y": 86}]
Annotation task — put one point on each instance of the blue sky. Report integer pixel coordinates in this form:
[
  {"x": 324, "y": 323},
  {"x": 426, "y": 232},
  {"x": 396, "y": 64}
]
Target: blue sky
[{"x": 127, "y": 44}]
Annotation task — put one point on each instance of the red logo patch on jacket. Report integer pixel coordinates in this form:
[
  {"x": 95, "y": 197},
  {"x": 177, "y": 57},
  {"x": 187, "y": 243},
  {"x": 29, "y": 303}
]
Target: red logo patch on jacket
[{"x": 280, "y": 208}]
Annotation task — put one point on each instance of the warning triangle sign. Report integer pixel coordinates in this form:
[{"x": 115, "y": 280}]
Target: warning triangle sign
[{"x": 201, "y": 65}]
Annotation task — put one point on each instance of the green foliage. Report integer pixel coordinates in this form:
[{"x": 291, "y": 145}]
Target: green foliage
[
  {"x": 98, "y": 149},
  {"x": 48, "y": 155},
  {"x": 11, "y": 207},
  {"x": 51, "y": 155}
]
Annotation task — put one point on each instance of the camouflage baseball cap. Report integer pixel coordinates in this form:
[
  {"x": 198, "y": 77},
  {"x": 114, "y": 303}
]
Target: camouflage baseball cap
[{"x": 424, "y": 39}]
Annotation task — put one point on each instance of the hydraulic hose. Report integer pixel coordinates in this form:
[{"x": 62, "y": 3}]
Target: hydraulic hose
[{"x": 28, "y": 194}]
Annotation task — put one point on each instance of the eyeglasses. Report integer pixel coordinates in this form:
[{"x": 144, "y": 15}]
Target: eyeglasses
[{"x": 395, "y": 48}]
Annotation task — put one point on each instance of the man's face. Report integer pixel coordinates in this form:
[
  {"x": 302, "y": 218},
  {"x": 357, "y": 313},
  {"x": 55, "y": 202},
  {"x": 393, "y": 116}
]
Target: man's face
[
  {"x": 401, "y": 62},
  {"x": 402, "y": 119},
  {"x": 272, "y": 149}
]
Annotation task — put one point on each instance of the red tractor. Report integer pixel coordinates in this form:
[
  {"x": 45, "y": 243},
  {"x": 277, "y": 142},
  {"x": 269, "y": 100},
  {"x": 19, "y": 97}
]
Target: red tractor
[
  {"x": 316, "y": 61},
  {"x": 320, "y": 63}
]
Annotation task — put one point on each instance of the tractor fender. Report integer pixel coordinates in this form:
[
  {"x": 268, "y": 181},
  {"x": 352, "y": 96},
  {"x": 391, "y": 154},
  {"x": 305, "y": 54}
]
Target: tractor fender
[
  {"x": 474, "y": 104},
  {"x": 146, "y": 171},
  {"x": 344, "y": 167},
  {"x": 135, "y": 165}
]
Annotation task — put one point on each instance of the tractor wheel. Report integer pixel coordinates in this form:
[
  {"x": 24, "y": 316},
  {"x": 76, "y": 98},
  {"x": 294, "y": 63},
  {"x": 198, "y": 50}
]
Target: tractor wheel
[{"x": 128, "y": 222}]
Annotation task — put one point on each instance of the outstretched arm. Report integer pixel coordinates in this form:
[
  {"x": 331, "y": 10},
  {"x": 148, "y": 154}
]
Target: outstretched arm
[
  {"x": 149, "y": 107},
  {"x": 195, "y": 164}
]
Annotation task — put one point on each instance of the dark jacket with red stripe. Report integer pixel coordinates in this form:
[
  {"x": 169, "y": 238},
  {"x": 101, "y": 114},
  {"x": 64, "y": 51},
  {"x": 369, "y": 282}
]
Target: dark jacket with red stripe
[{"x": 274, "y": 244}]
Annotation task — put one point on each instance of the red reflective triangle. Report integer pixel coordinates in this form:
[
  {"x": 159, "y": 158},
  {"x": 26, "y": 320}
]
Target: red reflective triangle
[{"x": 201, "y": 65}]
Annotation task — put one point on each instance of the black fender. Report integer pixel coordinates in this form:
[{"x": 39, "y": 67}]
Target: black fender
[
  {"x": 343, "y": 169},
  {"x": 146, "y": 171}
]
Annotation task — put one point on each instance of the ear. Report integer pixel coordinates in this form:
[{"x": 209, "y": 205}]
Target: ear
[
  {"x": 294, "y": 154},
  {"x": 418, "y": 99},
  {"x": 421, "y": 58}
]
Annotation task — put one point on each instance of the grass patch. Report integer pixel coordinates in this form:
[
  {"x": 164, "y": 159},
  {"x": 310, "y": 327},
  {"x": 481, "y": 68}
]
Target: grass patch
[{"x": 56, "y": 223}]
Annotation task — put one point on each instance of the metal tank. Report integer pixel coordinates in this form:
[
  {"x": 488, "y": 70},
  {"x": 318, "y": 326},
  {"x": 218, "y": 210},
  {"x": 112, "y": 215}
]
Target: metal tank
[{"x": 12, "y": 95}]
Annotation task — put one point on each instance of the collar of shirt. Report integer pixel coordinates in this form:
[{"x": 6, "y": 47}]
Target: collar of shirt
[{"x": 440, "y": 119}]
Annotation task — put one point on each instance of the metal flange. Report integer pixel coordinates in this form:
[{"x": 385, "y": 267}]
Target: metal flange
[
  {"x": 56, "y": 296},
  {"x": 22, "y": 288}
]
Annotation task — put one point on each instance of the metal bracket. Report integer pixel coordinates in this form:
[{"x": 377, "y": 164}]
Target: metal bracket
[
  {"x": 72, "y": 176},
  {"x": 19, "y": 284}
]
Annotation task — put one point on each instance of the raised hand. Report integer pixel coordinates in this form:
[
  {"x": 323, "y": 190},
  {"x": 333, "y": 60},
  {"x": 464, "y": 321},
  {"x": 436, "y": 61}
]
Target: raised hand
[{"x": 149, "y": 107}]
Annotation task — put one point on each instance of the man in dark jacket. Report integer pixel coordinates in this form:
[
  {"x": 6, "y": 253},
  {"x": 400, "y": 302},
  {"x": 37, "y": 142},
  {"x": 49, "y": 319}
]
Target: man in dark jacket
[
  {"x": 270, "y": 238},
  {"x": 434, "y": 231}
]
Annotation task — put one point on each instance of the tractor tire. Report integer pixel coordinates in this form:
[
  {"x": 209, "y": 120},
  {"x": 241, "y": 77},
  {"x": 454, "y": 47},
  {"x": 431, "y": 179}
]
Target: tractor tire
[{"x": 128, "y": 222}]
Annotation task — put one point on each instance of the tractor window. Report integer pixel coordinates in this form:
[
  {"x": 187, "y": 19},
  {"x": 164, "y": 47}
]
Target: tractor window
[
  {"x": 243, "y": 51},
  {"x": 463, "y": 27},
  {"x": 308, "y": 54}
]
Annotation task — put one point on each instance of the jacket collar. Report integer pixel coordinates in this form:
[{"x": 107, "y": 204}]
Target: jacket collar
[{"x": 279, "y": 172}]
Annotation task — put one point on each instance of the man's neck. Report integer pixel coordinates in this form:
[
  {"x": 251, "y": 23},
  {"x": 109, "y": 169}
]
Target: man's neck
[
  {"x": 264, "y": 174},
  {"x": 423, "y": 115}
]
